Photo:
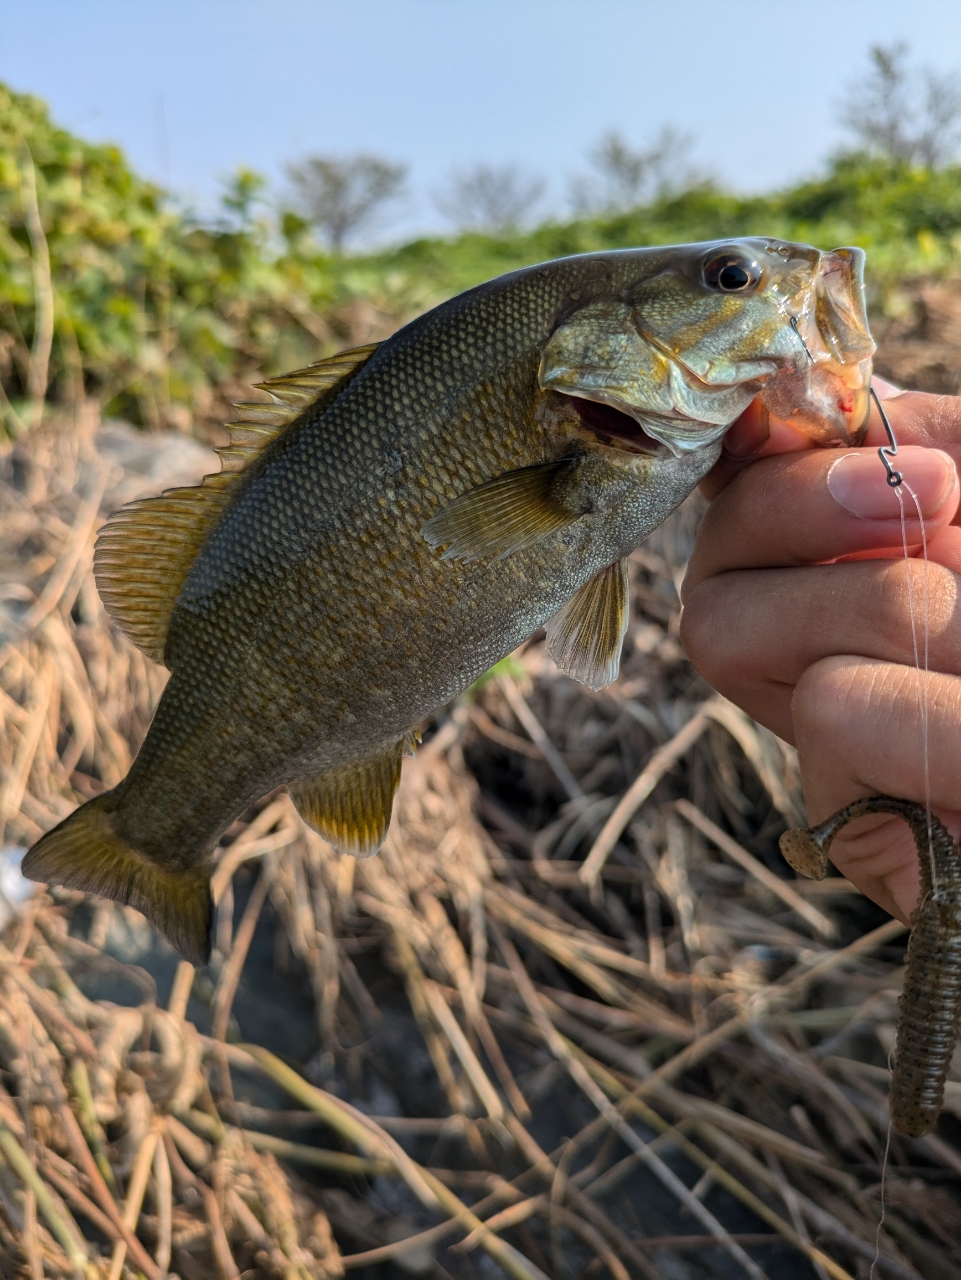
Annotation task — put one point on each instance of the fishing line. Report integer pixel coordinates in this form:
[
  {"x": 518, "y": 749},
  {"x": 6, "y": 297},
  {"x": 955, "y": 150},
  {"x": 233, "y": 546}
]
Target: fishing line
[
  {"x": 872, "y": 1274},
  {"x": 897, "y": 482},
  {"x": 921, "y": 684}
]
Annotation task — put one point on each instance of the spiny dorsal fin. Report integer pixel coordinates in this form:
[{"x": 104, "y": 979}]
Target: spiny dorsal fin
[
  {"x": 350, "y": 806},
  {"x": 584, "y": 638},
  {"x": 258, "y": 423},
  {"x": 145, "y": 550}
]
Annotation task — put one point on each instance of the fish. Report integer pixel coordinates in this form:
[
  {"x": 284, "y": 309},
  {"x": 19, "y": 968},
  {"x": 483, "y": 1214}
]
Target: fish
[{"x": 392, "y": 521}]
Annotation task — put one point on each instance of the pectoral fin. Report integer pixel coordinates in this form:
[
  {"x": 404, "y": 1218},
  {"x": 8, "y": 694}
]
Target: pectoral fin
[
  {"x": 350, "y": 806},
  {"x": 503, "y": 515},
  {"x": 585, "y": 637}
]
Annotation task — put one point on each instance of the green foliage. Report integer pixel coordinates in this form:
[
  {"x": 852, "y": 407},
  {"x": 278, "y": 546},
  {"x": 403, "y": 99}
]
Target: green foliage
[
  {"x": 509, "y": 666},
  {"x": 158, "y": 312},
  {"x": 164, "y": 318},
  {"x": 909, "y": 219}
]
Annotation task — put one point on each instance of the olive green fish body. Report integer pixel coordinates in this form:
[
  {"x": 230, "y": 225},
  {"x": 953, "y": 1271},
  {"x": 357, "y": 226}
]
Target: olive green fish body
[
  {"x": 482, "y": 473},
  {"x": 318, "y": 605}
]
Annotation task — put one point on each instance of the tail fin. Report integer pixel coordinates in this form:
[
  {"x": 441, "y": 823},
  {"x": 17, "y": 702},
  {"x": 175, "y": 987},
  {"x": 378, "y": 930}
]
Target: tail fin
[{"x": 84, "y": 852}]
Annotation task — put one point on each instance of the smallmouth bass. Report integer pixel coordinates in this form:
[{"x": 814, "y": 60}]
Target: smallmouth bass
[{"x": 398, "y": 518}]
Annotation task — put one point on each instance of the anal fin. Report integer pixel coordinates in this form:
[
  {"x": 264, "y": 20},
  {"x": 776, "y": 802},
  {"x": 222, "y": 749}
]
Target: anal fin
[
  {"x": 502, "y": 515},
  {"x": 350, "y": 806},
  {"x": 584, "y": 637}
]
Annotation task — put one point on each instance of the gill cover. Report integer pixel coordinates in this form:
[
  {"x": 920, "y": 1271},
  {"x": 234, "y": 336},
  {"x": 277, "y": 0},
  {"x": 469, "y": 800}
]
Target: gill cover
[{"x": 601, "y": 354}]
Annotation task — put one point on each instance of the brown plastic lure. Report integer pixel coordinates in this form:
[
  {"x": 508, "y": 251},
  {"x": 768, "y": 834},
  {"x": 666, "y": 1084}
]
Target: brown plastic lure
[{"x": 929, "y": 1007}]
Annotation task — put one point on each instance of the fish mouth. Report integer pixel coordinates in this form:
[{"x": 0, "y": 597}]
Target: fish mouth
[
  {"x": 613, "y": 427},
  {"x": 825, "y": 392}
]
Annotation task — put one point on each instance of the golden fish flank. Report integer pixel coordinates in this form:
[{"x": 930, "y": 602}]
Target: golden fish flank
[{"x": 398, "y": 518}]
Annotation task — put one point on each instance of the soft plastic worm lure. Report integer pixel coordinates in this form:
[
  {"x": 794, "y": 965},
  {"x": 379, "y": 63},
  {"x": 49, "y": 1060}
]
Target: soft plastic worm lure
[{"x": 929, "y": 1007}]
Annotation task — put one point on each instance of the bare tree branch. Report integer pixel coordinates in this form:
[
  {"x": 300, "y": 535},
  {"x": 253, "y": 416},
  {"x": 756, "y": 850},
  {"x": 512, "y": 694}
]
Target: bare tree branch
[
  {"x": 494, "y": 198},
  {"x": 341, "y": 197},
  {"x": 938, "y": 144},
  {"x": 625, "y": 178},
  {"x": 912, "y": 116}
]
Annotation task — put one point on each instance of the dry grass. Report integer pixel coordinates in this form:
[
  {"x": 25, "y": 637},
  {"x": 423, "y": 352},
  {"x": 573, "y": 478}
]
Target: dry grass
[
  {"x": 919, "y": 340},
  {"x": 674, "y": 1070}
]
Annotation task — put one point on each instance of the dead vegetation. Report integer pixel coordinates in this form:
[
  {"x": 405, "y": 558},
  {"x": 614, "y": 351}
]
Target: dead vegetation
[
  {"x": 919, "y": 336},
  {"x": 577, "y": 1019}
]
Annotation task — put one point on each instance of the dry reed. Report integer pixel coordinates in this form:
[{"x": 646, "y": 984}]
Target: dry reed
[{"x": 576, "y": 1018}]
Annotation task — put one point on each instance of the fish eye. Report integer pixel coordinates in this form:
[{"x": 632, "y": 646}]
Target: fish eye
[{"x": 730, "y": 273}]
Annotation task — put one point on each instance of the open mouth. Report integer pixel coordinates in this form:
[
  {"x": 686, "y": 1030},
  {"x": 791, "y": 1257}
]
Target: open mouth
[{"x": 611, "y": 427}]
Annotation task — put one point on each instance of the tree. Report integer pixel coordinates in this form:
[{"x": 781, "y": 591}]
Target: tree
[
  {"x": 242, "y": 191},
  {"x": 492, "y": 198},
  {"x": 911, "y": 116},
  {"x": 626, "y": 178},
  {"x": 342, "y": 197}
]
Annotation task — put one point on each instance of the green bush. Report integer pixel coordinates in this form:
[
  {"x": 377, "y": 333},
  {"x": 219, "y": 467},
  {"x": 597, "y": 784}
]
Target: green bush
[{"x": 163, "y": 318}]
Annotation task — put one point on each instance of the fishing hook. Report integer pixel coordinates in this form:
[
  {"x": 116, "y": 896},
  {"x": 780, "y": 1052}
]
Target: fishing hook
[
  {"x": 797, "y": 334},
  {"x": 889, "y": 450}
]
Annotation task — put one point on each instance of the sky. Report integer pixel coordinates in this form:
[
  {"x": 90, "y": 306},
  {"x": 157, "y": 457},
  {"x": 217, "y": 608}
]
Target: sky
[{"x": 194, "y": 89}]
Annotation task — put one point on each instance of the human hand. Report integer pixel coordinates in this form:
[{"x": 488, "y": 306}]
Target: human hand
[{"x": 797, "y": 606}]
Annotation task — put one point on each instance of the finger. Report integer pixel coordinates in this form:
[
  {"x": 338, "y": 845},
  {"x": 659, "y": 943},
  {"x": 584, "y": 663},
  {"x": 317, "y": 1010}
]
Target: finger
[
  {"x": 858, "y": 728},
  {"x": 754, "y": 435},
  {"x": 916, "y": 418},
  {"x": 801, "y": 508},
  {"x": 753, "y": 634}
]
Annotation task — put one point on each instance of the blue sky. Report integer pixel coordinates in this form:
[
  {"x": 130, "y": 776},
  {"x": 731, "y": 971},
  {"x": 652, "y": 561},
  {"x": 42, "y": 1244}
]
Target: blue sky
[{"x": 192, "y": 89}]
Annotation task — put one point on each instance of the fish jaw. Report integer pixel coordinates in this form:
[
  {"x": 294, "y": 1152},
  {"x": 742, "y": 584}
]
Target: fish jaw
[
  {"x": 830, "y": 404},
  {"x": 826, "y": 394}
]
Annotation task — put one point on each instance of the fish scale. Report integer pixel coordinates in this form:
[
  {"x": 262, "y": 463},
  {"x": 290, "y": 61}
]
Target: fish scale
[{"x": 400, "y": 518}]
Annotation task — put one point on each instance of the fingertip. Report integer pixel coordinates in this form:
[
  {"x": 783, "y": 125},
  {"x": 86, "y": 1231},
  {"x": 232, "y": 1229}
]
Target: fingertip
[
  {"x": 747, "y": 435},
  {"x": 885, "y": 390},
  {"x": 859, "y": 484}
]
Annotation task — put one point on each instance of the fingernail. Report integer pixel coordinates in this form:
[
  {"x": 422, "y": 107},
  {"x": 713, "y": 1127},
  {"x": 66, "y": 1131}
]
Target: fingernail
[
  {"x": 858, "y": 482},
  {"x": 885, "y": 390}
]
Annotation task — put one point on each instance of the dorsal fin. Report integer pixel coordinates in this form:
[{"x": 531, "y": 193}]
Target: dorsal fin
[
  {"x": 145, "y": 550},
  {"x": 258, "y": 422}
]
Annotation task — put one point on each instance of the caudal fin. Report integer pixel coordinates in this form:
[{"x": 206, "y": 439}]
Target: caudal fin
[{"x": 84, "y": 852}]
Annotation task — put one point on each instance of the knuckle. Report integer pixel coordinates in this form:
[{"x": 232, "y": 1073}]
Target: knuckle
[
  {"x": 827, "y": 697},
  {"x": 706, "y": 633}
]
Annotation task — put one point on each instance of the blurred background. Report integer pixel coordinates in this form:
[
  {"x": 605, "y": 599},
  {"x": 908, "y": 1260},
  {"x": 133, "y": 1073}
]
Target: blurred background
[
  {"x": 226, "y": 189},
  {"x": 383, "y": 1056}
]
